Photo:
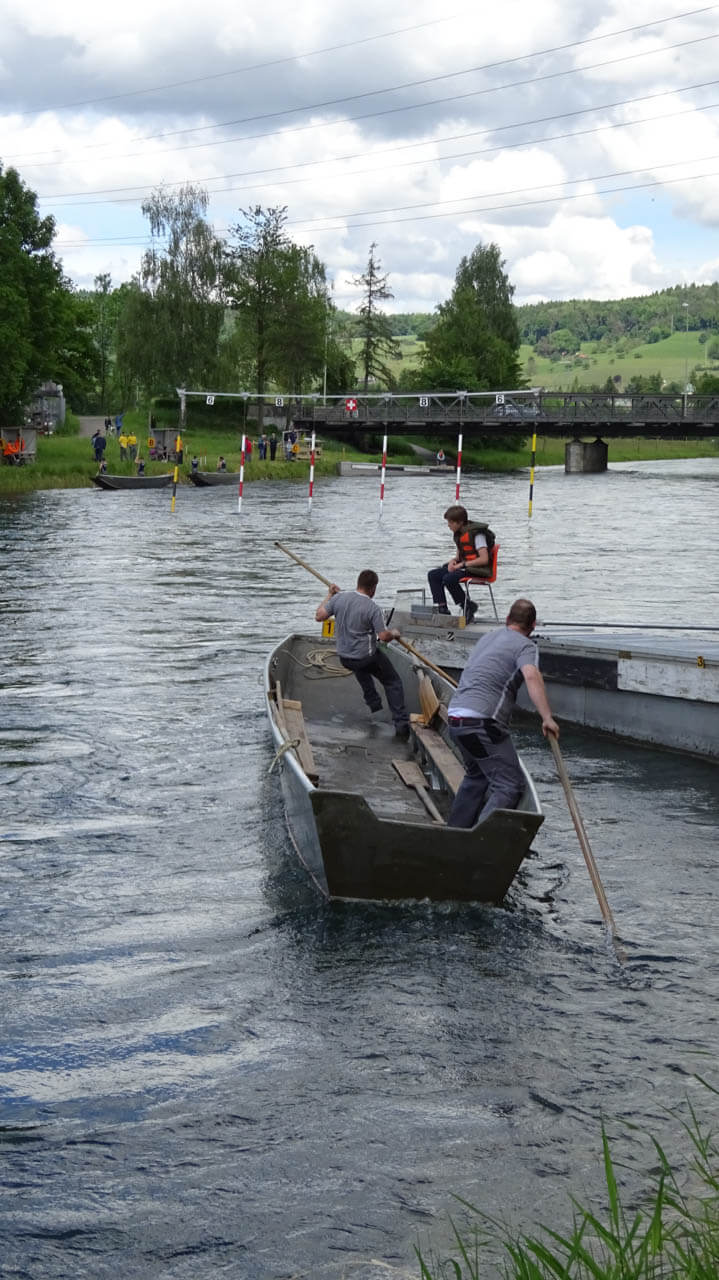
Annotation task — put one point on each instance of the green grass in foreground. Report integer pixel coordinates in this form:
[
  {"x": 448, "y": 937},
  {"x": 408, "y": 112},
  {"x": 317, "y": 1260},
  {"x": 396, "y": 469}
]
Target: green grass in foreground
[{"x": 674, "y": 1236}]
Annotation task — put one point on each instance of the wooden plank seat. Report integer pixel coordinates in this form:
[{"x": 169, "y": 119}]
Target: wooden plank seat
[
  {"x": 435, "y": 751},
  {"x": 292, "y": 723}
]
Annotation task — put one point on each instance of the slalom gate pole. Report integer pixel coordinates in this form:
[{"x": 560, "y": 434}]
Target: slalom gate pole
[
  {"x": 531, "y": 472},
  {"x": 382, "y": 476},
  {"x": 312, "y": 470},
  {"x": 175, "y": 476},
  {"x": 459, "y": 467},
  {"x": 241, "y": 485}
]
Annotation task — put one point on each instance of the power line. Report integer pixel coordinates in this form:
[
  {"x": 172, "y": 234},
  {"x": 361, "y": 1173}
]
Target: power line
[
  {"x": 504, "y": 146},
  {"x": 503, "y": 208},
  {"x": 411, "y": 84},
  {"x": 258, "y": 66},
  {"x": 454, "y": 213},
  {"x": 491, "y": 195}
]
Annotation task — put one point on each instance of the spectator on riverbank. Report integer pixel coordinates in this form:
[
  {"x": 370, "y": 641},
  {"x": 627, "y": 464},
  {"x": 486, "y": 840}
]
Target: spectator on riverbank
[
  {"x": 132, "y": 446},
  {"x": 98, "y": 443},
  {"x": 273, "y": 446},
  {"x": 221, "y": 464}
]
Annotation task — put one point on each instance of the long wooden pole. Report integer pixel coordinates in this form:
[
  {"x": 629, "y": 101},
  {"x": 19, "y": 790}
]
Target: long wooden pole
[
  {"x": 416, "y": 653},
  {"x": 304, "y": 563},
  {"x": 586, "y": 847}
]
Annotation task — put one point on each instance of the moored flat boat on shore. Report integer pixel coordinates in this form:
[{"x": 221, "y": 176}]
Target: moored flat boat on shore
[
  {"x": 205, "y": 479},
  {"x": 106, "y": 481},
  {"x": 362, "y": 831}
]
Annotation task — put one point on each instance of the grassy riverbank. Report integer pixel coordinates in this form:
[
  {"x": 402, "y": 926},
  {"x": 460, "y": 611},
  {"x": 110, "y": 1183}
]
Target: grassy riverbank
[
  {"x": 67, "y": 462},
  {"x": 672, "y": 1235},
  {"x": 550, "y": 452}
]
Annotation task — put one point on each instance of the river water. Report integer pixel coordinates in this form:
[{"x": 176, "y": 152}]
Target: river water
[{"x": 208, "y": 1071}]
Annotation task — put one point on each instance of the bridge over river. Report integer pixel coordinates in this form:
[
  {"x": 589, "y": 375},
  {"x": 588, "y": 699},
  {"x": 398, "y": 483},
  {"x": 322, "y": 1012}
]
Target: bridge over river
[
  {"x": 569, "y": 415},
  {"x": 502, "y": 413}
]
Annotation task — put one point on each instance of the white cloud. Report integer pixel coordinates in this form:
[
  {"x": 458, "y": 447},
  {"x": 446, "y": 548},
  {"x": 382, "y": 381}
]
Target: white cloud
[{"x": 554, "y": 245}]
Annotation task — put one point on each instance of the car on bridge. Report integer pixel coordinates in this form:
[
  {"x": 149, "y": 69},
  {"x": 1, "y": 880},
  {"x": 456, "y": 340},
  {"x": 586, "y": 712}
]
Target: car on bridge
[{"x": 508, "y": 408}]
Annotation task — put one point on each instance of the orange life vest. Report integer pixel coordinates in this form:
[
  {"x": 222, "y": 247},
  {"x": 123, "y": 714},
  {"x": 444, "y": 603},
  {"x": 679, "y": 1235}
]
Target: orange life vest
[{"x": 464, "y": 539}]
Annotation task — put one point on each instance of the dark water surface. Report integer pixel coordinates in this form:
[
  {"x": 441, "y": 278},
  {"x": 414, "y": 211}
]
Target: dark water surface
[{"x": 208, "y": 1071}]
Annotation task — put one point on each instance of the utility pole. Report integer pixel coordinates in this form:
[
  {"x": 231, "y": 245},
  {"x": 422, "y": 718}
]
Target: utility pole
[{"x": 685, "y": 306}]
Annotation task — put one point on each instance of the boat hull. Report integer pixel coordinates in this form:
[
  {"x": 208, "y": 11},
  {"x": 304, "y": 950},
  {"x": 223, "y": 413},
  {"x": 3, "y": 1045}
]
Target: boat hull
[
  {"x": 359, "y": 831},
  {"x": 133, "y": 482},
  {"x": 208, "y": 479}
]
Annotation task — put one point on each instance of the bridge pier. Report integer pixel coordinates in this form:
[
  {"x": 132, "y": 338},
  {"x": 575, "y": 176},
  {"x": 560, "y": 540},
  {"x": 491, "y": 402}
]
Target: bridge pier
[{"x": 585, "y": 457}]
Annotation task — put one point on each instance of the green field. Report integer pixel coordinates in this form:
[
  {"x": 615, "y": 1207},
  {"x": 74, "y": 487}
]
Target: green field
[{"x": 672, "y": 358}]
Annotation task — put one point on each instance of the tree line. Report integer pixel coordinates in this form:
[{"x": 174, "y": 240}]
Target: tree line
[{"x": 248, "y": 311}]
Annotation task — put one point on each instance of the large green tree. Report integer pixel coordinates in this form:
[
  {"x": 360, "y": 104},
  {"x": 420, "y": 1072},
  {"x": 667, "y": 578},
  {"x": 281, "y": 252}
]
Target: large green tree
[
  {"x": 373, "y": 326},
  {"x": 34, "y": 298},
  {"x": 172, "y": 318},
  {"x": 279, "y": 293},
  {"x": 474, "y": 345}
]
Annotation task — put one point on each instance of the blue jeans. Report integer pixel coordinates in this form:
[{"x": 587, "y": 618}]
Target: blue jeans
[
  {"x": 440, "y": 578},
  {"x": 494, "y": 778}
]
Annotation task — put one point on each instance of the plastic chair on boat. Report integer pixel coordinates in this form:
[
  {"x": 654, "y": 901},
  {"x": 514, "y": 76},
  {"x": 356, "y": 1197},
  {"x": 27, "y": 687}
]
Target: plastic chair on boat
[{"x": 482, "y": 582}]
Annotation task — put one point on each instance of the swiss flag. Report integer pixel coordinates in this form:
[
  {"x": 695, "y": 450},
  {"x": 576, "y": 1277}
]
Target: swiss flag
[{"x": 350, "y": 405}]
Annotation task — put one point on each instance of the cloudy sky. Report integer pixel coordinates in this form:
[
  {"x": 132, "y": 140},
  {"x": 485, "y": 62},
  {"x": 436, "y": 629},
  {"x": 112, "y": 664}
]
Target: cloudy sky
[{"x": 583, "y": 138}]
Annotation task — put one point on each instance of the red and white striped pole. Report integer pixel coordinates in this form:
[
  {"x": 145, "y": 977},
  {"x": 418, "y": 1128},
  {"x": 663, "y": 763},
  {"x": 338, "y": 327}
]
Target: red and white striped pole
[
  {"x": 382, "y": 476},
  {"x": 459, "y": 467},
  {"x": 242, "y": 475},
  {"x": 312, "y": 470}
]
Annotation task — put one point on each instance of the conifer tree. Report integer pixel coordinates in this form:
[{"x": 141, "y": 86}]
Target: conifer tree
[{"x": 373, "y": 327}]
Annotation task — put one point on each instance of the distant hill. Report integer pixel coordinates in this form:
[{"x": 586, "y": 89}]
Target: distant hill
[{"x": 665, "y": 337}]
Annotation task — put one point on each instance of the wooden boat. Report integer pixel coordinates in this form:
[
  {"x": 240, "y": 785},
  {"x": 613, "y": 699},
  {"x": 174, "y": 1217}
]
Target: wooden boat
[
  {"x": 360, "y": 830},
  {"x": 107, "y": 481},
  {"x": 205, "y": 478}
]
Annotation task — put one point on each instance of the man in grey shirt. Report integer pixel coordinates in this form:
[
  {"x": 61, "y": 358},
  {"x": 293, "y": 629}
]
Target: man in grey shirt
[
  {"x": 480, "y": 711},
  {"x": 360, "y": 623}
]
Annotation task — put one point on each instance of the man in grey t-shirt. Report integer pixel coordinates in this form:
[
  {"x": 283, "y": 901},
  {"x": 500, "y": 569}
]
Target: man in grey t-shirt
[
  {"x": 360, "y": 623},
  {"x": 480, "y": 711}
]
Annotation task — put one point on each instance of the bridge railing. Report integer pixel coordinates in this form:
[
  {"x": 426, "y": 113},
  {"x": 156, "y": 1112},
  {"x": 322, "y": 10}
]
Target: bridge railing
[{"x": 517, "y": 408}]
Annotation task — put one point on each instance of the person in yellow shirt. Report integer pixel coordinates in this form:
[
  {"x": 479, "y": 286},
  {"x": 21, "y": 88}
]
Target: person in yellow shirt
[
  {"x": 122, "y": 441},
  {"x": 179, "y": 447},
  {"x": 132, "y": 445}
]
